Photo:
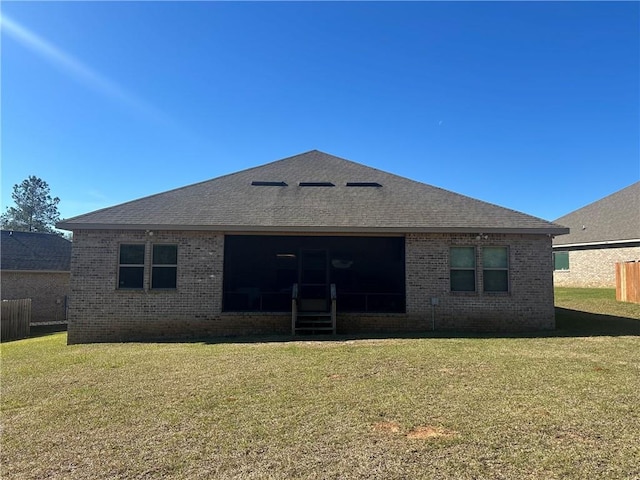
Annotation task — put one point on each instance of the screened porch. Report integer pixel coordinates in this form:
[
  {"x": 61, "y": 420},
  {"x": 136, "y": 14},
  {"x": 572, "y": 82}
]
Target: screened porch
[{"x": 261, "y": 270}]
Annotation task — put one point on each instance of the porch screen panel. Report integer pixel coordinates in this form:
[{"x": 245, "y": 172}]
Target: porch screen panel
[{"x": 259, "y": 271}]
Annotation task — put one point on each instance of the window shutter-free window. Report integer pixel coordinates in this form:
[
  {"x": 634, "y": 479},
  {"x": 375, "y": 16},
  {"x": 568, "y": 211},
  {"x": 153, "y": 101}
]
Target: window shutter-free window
[
  {"x": 495, "y": 262},
  {"x": 561, "y": 260},
  {"x": 463, "y": 269},
  {"x": 131, "y": 266},
  {"x": 164, "y": 268}
]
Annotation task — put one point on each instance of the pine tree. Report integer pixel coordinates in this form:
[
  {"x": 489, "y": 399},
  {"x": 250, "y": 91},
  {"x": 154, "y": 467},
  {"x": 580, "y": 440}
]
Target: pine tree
[{"x": 34, "y": 211}]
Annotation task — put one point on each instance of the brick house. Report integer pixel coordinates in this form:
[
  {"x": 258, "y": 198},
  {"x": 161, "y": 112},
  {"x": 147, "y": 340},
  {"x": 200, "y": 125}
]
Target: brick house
[
  {"x": 36, "y": 266},
  {"x": 603, "y": 233},
  {"x": 312, "y": 242}
]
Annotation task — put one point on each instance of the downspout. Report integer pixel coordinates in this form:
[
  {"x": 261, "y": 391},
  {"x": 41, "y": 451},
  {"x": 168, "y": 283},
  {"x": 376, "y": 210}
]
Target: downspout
[{"x": 434, "y": 302}]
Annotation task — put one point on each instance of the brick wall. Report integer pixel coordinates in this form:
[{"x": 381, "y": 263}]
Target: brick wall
[
  {"x": 527, "y": 306},
  {"x": 47, "y": 291},
  {"x": 98, "y": 311},
  {"x": 594, "y": 267}
]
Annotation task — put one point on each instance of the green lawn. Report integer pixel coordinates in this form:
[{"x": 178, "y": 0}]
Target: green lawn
[
  {"x": 549, "y": 407},
  {"x": 595, "y": 311}
]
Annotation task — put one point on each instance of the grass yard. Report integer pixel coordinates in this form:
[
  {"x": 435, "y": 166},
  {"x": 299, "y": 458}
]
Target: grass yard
[
  {"x": 550, "y": 407},
  {"x": 594, "y": 311}
]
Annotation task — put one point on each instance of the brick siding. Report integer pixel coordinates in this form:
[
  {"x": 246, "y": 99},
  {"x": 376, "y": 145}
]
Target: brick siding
[
  {"x": 594, "y": 267},
  {"x": 527, "y": 306},
  {"x": 99, "y": 312},
  {"x": 47, "y": 290}
]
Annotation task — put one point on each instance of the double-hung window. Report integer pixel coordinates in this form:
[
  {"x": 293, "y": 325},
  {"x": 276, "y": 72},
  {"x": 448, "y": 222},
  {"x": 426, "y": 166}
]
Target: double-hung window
[
  {"x": 164, "y": 268},
  {"x": 463, "y": 269},
  {"x": 131, "y": 266},
  {"x": 495, "y": 269}
]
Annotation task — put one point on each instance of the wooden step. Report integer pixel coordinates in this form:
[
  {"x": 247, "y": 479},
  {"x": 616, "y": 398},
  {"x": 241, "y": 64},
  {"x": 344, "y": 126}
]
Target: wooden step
[{"x": 314, "y": 329}]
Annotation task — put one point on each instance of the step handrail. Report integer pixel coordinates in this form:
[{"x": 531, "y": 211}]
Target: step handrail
[
  {"x": 334, "y": 298},
  {"x": 294, "y": 307}
]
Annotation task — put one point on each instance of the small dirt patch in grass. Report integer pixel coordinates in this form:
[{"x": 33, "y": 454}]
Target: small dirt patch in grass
[
  {"x": 422, "y": 432},
  {"x": 386, "y": 427}
]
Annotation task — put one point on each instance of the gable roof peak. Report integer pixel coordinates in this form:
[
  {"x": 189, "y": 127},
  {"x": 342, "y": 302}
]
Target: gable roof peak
[{"x": 242, "y": 202}]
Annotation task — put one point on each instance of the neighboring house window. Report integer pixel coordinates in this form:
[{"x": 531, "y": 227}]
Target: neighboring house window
[
  {"x": 164, "y": 268},
  {"x": 495, "y": 269},
  {"x": 561, "y": 260},
  {"x": 463, "y": 269},
  {"x": 131, "y": 266}
]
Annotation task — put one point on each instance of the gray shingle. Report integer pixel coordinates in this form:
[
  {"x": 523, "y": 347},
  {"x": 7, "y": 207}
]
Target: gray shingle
[
  {"x": 231, "y": 203},
  {"x": 614, "y": 218},
  {"x": 34, "y": 251}
]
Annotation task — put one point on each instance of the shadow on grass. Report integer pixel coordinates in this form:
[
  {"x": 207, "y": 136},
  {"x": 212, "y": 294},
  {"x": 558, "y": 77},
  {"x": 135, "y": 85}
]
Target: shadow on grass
[
  {"x": 575, "y": 323},
  {"x": 569, "y": 323},
  {"x": 43, "y": 330},
  {"x": 36, "y": 331}
]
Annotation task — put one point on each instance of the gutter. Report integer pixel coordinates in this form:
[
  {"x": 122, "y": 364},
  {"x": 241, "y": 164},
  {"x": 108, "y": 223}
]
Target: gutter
[
  {"x": 596, "y": 244},
  {"x": 551, "y": 230}
]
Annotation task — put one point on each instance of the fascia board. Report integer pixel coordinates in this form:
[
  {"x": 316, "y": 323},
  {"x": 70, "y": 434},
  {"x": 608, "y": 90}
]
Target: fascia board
[
  {"x": 595, "y": 244},
  {"x": 316, "y": 229}
]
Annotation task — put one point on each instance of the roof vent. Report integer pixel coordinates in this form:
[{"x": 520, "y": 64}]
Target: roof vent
[
  {"x": 363, "y": 184},
  {"x": 257, "y": 183},
  {"x": 316, "y": 184}
]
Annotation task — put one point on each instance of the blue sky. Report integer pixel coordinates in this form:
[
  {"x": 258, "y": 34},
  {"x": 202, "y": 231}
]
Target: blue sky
[{"x": 529, "y": 105}]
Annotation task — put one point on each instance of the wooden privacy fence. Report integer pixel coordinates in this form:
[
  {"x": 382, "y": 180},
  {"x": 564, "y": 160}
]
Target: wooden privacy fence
[
  {"x": 15, "y": 318},
  {"x": 628, "y": 282}
]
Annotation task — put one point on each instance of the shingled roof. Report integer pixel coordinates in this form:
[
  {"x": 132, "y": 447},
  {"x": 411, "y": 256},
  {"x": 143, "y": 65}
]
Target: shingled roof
[
  {"x": 613, "y": 219},
  {"x": 312, "y": 192},
  {"x": 34, "y": 251}
]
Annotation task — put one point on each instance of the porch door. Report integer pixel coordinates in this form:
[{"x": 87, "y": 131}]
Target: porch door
[{"x": 313, "y": 280}]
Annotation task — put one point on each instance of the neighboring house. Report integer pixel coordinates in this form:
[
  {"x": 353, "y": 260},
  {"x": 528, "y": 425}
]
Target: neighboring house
[
  {"x": 36, "y": 266},
  {"x": 602, "y": 233},
  {"x": 226, "y": 256}
]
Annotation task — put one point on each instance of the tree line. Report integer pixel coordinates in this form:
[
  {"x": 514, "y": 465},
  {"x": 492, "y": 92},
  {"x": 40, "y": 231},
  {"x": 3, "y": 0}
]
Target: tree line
[{"x": 34, "y": 210}]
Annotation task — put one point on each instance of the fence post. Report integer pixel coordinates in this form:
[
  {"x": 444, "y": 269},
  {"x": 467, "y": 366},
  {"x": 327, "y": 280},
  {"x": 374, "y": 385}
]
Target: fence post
[{"x": 628, "y": 282}]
